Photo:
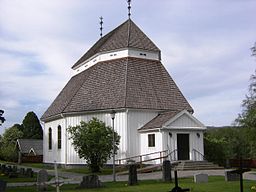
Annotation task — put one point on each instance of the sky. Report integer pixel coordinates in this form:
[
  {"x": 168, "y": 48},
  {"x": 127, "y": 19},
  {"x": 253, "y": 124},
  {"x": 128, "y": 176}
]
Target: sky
[{"x": 205, "y": 46}]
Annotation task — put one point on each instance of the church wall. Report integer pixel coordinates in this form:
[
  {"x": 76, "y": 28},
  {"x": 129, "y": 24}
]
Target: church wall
[
  {"x": 120, "y": 127},
  {"x": 151, "y": 152},
  {"x": 68, "y": 155},
  {"x": 54, "y": 154},
  {"x": 197, "y": 138},
  {"x": 195, "y": 143},
  {"x": 135, "y": 120}
]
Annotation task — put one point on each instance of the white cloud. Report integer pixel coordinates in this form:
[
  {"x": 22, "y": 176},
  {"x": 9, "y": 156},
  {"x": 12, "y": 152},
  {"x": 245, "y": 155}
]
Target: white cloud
[{"x": 218, "y": 109}]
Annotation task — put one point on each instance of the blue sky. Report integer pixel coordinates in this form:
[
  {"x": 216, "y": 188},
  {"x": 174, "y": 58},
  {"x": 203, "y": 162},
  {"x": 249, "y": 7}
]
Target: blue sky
[{"x": 205, "y": 47}]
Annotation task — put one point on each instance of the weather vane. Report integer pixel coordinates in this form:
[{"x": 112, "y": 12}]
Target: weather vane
[
  {"x": 101, "y": 23},
  {"x": 129, "y": 8}
]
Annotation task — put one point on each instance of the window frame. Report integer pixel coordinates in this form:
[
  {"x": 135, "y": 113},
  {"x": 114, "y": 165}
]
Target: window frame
[
  {"x": 151, "y": 140},
  {"x": 59, "y": 137},
  {"x": 50, "y": 138}
]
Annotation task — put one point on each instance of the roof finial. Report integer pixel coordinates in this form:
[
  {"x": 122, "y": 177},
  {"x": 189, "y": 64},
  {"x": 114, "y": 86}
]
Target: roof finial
[
  {"x": 129, "y": 8},
  {"x": 101, "y": 23}
]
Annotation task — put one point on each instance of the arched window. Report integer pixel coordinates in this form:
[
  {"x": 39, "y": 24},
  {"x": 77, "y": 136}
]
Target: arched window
[
  {"x": 59, "y": 137},
  {"x": 50, "y": 138}
]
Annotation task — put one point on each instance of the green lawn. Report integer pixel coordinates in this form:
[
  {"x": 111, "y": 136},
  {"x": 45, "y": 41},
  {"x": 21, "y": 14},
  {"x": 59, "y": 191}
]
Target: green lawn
[
  {"x": 37, "y": 165},
  {"x": 85, "y": 170},
  {"x": 82, "y": 170},
  {"x": 19, "y": 179},
  {"x": 215, "y": 184}
]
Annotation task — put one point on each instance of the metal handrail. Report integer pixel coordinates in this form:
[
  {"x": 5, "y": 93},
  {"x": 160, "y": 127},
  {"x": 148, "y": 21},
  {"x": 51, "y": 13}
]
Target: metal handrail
[
  {"x": 175, "y": 156},
  {"x": 161, "y": 153},
  {"x": 199, "y": 153}
]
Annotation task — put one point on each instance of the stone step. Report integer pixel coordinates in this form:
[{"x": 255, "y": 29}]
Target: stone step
[
  {"x": 195, "y": 165},
  {"x": 147, "y": 169},
  {"x": 181, "y": 165}
]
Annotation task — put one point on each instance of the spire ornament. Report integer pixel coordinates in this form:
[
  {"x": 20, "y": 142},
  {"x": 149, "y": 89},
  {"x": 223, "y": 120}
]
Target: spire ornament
[
  {"x": 129, "y": 8},
  {"x": 101, "y": 23}
]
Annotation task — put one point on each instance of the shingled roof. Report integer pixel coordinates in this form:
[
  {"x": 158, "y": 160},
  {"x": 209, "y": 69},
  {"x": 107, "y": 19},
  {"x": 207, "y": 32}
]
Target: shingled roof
[
  {"x": 25, "y": 146},
  {"x": 121, "y": 83},
  {"x": 159, "y": 120},
  {"x": 126, "y": 82},
  {"x": 127, "y": 35}
]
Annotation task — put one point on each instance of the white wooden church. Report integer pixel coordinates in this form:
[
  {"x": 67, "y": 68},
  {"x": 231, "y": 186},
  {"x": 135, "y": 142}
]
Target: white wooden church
[{"x": 123, "y": 72}]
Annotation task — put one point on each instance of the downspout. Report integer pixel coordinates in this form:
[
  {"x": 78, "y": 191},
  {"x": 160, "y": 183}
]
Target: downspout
[
  {"x": 43, "y": 123},
  {"x": 66, "y": 139}
]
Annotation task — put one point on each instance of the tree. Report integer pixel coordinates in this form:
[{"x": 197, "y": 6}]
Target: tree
[
  {"x": 247, "y": 119},
  {"x": 8, "y": 142},
  {"x": 226, "y": 143},
  {"x": 93, "y": 141},
  {"x": 19, "y": 127},
  {"x": 32, "y": 128}
]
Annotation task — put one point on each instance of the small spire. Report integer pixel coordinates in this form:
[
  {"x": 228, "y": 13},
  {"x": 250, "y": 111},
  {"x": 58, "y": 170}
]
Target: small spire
[
  {"x": 101, "y": 23},
  {"x": 129, "y": 8}
]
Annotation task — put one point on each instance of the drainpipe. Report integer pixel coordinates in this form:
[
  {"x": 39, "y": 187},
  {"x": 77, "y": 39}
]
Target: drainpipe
[
  {"x": 66, "y": 139},
  {"x": 43, "y": 140}
]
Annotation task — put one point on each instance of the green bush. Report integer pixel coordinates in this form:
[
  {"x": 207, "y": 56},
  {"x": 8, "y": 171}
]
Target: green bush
[{"x": 8, "y": 153}]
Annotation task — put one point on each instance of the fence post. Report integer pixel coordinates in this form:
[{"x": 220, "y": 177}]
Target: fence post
[{"x": 140, "y": 161}]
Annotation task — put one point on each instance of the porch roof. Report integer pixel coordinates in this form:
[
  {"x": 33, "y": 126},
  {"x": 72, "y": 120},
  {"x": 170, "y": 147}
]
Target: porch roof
[
  {"x": 173, "y": 120},
  {"x": 159, "y": 120}
]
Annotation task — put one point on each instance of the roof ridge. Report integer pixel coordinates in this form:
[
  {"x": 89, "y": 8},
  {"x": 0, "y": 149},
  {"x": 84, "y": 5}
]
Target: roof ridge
[
  {"x": 154, "y": 90},
  {"x": 84, "y": 77},
  {"x": 182, "y": 95},
  {"x": 128, "y": 34},
  {"x": 129, "y": 31},
  {"x": 160, "y": 116},
  {"x": 98, "y": 44},
  {"x": 125, "y": 83}
]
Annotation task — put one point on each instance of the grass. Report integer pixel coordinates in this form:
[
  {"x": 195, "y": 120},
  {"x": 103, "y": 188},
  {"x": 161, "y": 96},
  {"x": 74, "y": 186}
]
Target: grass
[
  {"x": 37, "y": 165},
  {"x": 82, "y": 170},
  {"x": 86, "y": 170},
  {"x": 215, "y": 184},
  {"x": 19, "y": 179}
]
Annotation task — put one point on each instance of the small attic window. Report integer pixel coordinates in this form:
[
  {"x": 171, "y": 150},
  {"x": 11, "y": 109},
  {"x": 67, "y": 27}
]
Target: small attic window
[{"x": 143, "y": 54}]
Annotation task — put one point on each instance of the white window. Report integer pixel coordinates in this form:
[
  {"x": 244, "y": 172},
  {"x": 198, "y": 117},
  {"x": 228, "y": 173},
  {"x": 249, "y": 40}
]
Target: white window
[{"x": 151, "y": 140}]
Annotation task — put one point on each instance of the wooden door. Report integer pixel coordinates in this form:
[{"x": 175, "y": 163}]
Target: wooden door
[{"x": 183, "y": 146}]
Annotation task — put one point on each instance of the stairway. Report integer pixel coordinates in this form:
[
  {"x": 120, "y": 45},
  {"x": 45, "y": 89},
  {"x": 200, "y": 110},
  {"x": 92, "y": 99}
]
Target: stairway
[
  {"x": 195, "y": 165},
  {"x": 178, "y": 165}
]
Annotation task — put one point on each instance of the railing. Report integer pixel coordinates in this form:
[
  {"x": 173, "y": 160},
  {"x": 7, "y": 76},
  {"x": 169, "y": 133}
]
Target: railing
[
  {"x": 173, "y": 155},
  {"x": 160, "y": 155},
  {"x": 198, "y": 156},
  {"x": 141, "y": 158}
]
